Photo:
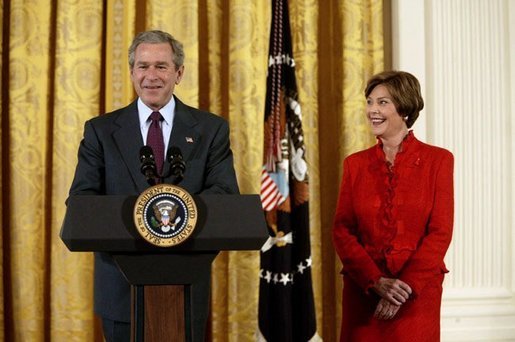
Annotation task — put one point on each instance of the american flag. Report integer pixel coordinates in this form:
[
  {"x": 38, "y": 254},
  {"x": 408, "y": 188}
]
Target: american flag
[
  {"x": 270, "y": 195},
  {"x": 286, "y": 303}
]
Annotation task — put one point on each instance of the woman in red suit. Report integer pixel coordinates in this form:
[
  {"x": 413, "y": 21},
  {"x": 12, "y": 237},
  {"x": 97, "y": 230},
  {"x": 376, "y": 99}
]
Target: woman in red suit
[{"x": 393, "y": 222}]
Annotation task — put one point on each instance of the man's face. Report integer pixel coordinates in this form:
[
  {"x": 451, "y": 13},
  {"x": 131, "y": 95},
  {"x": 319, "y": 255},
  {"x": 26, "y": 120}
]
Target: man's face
[{"x": 154, "y": 74}]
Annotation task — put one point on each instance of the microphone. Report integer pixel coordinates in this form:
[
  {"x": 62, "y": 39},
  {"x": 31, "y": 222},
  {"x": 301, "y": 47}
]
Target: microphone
[
  {"x": 148, "y": 164},
  {"x": 177, "y": 164}
]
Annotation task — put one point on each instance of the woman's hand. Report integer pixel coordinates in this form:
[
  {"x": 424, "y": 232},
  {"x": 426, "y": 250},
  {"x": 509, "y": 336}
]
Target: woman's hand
[
  {"x": 395, "y": 291},
  {"x": 386, "y": 310}
]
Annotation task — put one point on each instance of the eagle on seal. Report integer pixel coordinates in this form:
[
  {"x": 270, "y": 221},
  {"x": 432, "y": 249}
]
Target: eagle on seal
[{"x": 165, "y": 211}]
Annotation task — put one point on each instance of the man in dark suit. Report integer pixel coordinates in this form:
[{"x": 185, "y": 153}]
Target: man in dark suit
[{"x": 108, "y": 163}]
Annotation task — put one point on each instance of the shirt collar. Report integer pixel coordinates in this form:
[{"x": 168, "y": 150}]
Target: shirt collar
[{"x": 167, "y": 112}]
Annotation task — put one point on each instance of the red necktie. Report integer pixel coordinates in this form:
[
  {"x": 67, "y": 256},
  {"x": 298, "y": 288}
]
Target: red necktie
[{"x": 155, "y": 140}]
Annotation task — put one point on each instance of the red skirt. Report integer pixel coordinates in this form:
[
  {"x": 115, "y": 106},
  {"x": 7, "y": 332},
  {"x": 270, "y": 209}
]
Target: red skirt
[{"x": 418, "y": 320}]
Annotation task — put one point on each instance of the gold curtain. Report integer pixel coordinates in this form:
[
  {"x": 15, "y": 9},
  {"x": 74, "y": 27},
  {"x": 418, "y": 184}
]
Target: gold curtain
[{"x": 66, "y": 61}]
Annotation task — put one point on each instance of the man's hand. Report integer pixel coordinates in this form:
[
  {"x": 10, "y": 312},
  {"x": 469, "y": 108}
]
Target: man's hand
[
  {"x": 386, "y": 310},
  {"x": 395, "y": 291}
]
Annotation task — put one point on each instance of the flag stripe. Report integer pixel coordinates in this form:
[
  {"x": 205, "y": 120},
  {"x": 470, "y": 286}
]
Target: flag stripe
[{"x": 270, "y": 194}]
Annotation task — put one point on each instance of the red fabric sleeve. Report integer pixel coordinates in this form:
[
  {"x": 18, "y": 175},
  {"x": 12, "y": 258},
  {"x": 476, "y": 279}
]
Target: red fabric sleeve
[
  {"x": 427, "y": 261},
  {"x": 357, "y": 264}
]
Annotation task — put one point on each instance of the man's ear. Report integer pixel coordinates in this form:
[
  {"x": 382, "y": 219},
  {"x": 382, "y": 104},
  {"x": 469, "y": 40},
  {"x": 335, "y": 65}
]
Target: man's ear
[{"x": 180, "y": 73}]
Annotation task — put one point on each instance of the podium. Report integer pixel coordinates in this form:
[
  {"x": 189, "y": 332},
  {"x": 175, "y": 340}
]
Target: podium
[{"x": 160, "y": 277}]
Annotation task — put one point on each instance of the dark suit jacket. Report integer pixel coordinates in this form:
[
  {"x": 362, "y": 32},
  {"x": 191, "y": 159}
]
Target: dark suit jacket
[{"x": 108, "y": 164}]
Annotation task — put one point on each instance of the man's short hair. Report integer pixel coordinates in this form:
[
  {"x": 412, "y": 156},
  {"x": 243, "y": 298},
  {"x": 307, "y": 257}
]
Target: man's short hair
[{"x": 157, "y": 37}]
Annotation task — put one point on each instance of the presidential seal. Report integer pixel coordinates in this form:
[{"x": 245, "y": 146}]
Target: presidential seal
[{"x": 165, "y": 215}]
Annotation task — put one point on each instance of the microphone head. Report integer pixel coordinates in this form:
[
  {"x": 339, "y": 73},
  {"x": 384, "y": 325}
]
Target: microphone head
[
  {"x": 177, "y": 164},
  {"x": 148, "y": 164},
  {"x": 146, "y": 152},
  {"x": 174, "y": 152}
]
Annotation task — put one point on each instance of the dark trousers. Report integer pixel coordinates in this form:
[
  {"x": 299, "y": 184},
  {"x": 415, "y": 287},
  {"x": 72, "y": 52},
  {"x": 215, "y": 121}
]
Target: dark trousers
[{"x": 115, "y": 331}]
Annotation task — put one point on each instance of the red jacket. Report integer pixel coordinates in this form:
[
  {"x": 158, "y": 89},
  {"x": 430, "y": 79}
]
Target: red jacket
[{"x": 395, "y": 223}]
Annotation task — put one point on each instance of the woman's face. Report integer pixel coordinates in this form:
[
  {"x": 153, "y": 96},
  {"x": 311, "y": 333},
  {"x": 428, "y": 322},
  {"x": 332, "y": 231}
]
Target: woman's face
[{"x": 382, "y": 115}]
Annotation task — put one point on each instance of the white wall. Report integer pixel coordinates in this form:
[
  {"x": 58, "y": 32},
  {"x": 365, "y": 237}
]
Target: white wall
[{"x": 463, "y": 52}]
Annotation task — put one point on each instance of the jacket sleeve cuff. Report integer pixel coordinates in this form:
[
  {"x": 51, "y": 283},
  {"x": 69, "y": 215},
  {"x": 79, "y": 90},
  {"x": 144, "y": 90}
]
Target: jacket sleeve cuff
[{"x": 369, "y": 287}]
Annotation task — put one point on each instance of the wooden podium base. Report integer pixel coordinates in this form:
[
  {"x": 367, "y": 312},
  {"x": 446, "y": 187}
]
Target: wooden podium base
[{"x": 160, "y": 313}]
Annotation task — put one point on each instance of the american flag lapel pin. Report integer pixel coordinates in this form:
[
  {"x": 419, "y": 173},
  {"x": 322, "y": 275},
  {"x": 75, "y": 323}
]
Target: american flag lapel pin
[{"x": 189, "y": 139}]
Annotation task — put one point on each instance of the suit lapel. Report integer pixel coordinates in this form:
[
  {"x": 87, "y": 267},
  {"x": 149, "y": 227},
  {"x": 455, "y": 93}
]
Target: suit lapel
[
  {"x": 129, "y": 142},
  {"x": 183, "y": 133}
]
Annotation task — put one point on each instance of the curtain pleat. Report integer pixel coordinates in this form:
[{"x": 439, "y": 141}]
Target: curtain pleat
[
  {"x": 29, "y": 168},
  {"x": 4, "y": 272},
  {"x": 180, "y": 19},
  {"x": 77, "y": 72},
  {"x": 67, "y": 62},
  {"x": 119, "y": 31},
  {"x": 242, "y": 56}
]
